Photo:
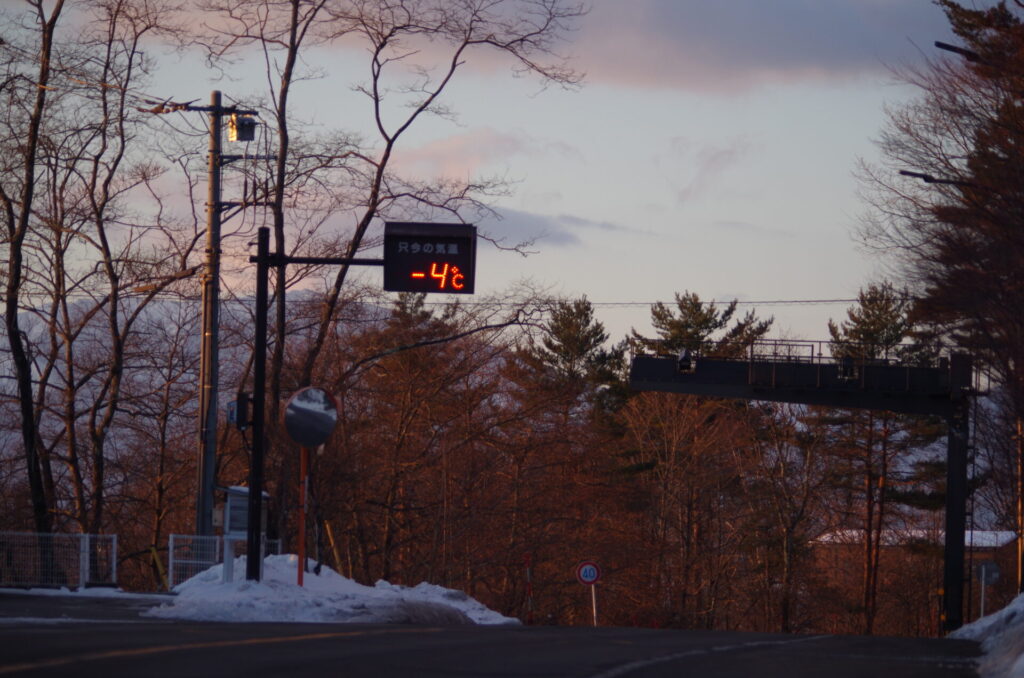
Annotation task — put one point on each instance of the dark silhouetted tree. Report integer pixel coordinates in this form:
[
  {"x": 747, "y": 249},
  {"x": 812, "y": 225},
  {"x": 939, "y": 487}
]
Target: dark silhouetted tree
[{"x": 697, "y": 325}]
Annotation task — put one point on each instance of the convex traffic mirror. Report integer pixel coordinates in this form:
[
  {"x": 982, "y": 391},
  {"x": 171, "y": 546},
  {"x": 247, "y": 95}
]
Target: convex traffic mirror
[{"x": 310, "y": 416}]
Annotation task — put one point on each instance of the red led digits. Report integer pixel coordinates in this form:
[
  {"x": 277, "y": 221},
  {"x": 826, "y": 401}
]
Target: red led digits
[
  {"x": 445, "y": 274},
  {"x": 439, "y": 275},
  {"x": 458, "y": 280}
]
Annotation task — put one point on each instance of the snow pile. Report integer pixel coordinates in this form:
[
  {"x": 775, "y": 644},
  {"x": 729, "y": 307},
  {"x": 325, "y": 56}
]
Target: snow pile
[
  {"x": 1002, "y": 639},
  {"x": 327, "y": 597}
]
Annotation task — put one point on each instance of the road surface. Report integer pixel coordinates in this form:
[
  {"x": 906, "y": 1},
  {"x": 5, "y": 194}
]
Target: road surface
[{"x": 48, "y": 636}]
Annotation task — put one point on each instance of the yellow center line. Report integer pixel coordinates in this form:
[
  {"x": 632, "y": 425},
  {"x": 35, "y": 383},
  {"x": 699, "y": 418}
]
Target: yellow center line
[{"x": 159, "y": 649}]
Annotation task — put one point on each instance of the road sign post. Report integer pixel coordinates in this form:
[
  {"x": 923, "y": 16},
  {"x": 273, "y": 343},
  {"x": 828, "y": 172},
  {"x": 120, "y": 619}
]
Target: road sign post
[
  {"x": 309, "y": 419},
  {"x": 453, "y": 274},
  {"x": 588, "y": 573},
  {"x": 528, "y": 562},
  {"x": 988, "y": 573}
]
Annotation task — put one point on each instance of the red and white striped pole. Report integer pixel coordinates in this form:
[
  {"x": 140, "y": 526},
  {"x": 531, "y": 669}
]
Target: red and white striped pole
[{"x": 303, "y": 493}]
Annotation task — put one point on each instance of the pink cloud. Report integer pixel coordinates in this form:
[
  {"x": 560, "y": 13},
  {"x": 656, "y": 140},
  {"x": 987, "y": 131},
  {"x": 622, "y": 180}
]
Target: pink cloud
[{"x": 469, "y": 154}]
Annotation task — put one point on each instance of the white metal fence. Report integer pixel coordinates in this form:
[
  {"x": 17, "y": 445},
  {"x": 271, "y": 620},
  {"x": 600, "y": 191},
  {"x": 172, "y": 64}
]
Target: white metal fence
[
  {"x": 190, "y": 554},
  {"x": 31, "y": 559}
]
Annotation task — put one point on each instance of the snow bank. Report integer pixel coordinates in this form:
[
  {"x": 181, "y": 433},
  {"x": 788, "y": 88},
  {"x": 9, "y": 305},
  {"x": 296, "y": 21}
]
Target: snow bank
[
  {"x": 327, "y": 597},
  {"x": 1002, "y": 639}
]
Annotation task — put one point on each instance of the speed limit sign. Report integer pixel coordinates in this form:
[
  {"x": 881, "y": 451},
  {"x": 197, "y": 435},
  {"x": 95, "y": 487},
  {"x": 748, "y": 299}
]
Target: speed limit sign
[{"x": 588, "y": 572}]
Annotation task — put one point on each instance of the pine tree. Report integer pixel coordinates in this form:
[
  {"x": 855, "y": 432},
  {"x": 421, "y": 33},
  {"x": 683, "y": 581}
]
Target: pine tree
[
  {"x": 958, "y": 237},
  {"x": 873, "y": 450},
  {"x": 574, "y": 343},
  {"x": 685, "y": 456},
  {"x": 875, "y": 327},
  {"x": 700, "y": 326}
]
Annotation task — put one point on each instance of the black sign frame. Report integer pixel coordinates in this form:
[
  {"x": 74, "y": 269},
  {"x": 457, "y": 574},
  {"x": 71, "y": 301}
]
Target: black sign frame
[{"x": 429, "y": 257}]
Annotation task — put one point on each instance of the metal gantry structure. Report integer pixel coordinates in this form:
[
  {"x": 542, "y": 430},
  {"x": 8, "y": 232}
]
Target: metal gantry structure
[{"x": 793, "y": 372}]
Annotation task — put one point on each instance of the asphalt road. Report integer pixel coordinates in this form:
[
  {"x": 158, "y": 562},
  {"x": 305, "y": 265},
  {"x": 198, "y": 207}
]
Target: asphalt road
[{"x": 99, "y": 637}]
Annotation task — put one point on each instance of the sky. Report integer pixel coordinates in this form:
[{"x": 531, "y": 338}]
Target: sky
[{"x": 711, "y": 149}]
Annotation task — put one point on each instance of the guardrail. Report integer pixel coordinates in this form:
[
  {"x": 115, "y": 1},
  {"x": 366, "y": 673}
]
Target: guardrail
[
  {"x": 32, "y": 559},
  {"x": 190, "y": 554}
]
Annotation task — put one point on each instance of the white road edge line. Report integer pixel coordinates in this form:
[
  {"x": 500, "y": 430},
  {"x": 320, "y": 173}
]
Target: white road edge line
[{"x": 625, "y": 669}]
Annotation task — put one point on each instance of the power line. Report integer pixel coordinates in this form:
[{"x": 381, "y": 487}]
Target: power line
[
  {"x": 601, "y": 304},
  {"x": 648, "y": 304},
  {"x": 761, "y": 302}
]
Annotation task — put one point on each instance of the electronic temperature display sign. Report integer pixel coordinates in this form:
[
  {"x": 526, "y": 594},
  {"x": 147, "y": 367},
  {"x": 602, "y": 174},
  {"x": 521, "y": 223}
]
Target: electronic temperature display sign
[{"x": 423, "y": 257}]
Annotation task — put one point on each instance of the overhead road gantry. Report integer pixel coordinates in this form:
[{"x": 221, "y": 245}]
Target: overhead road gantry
[{"x": 801, "y": 372}]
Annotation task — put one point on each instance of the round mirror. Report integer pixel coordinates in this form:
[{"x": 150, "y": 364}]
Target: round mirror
[{"x": 310, "y": 416}]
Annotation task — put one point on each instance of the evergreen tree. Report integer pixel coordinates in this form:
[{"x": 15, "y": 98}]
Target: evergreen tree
[
  {"x": 873, "y": 451},
  {"x": 573, "y": 352},
  {"x": 957, "y": 236},
  {"x": 700, "y": 326},
  {"x": 573, "y": 346},
  {"x": 409, "y": 313},
  {"x": 686, "y": 457},
  {"x": 875, "y": 327}
]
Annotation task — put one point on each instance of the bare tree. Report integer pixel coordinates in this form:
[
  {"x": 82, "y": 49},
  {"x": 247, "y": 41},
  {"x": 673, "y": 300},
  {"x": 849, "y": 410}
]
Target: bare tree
[
  {"x": 151, "y": 473},
  {"x": 681, "y": 453},
  {"x": 85, "y": 247},
  {"x": 946, "y": 200},
  {"x": 527, "y": 32},
  {"x": 415, "y": 47},
  {"x": 786, "y": 488},
  {"x": 17, "y": 194}
]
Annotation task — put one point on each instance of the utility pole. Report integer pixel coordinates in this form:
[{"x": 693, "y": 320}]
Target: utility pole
[
  {"x": 242, "y": 128},
  {"x": 209, "y": 361}
]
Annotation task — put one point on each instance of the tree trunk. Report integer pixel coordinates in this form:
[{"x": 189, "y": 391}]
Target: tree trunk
[{"x": 17, "y": 227}]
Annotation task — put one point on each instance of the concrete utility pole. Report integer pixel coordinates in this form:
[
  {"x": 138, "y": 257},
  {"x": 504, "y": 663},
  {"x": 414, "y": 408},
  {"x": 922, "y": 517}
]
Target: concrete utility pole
[
  {"x": 242, "y": 128},
  {"x": 209, "y": 373},
  {"x": 209, "y": 361}
]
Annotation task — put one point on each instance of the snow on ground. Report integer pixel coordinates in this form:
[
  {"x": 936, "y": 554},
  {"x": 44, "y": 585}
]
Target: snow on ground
[
  {"x": 1002, "y": 638},
  {"x": 327, "y": 597},
  {"x": 96, "y": 592}
]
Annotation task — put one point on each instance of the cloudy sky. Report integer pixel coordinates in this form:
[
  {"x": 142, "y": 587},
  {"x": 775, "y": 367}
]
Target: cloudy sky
[{"x": 711, "y": 149}]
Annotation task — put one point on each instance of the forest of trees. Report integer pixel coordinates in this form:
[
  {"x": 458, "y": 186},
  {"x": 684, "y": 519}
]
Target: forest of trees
[{"x": 476, "y": 439}]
